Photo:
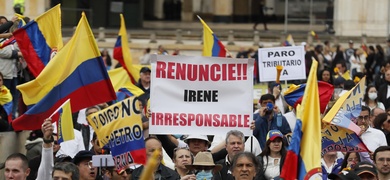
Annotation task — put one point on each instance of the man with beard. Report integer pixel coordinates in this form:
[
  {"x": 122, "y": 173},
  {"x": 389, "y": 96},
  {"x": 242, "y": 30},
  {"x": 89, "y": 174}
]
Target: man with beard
[
  {"x": 382, "y": 161},
  {"x": 269, "y": 118},
  {"x": 235, "y": 143}
]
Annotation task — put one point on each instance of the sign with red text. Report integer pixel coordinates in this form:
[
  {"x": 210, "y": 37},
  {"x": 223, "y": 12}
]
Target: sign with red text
[
  {"x": 292, "y": 58},
  {"x": 200, "y": 95}
]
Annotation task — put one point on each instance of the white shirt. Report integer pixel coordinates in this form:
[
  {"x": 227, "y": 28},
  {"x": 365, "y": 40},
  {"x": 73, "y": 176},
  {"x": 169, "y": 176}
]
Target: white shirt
[
  {"x": 291, "y": 119},
  {"x": 388, "y": 91},
  {"x": 373, "y": 138},
  {"x": 273, "y": 169},
  {"x": 256, "y": 149},
  {"x": 72, "y": 147},
  {"x": 379, "y": 105}
]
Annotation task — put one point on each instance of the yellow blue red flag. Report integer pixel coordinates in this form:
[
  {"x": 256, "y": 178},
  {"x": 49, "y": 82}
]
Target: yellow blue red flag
[
  {"x": 122, "y": 52},
  {"x": 212, "y": 46},
  {"x": 77, "y": 73},
  {"x": 303, "y": 160},
  {"x": 65, "y": 123},
  {"x": 40, "y": 39}
]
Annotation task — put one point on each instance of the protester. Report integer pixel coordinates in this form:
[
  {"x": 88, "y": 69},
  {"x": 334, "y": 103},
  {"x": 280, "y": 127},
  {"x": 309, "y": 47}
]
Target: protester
[
  {"x": 16, "y": 167},
  {"x": 65, "y": 171},
  {"x": 330, "y": 163},
  {"x": 350, "y": 160},
  {"x": 85, "y": 129},
  {"x": 34, "y": 144},
  {"x": 326, "y": 76},
  {"x": 163, "y": 172},
  {"x": 384, "y": 92},
  {"x": 112, "y": 174},
  {"x": 370, "y": 98},
  {"x": 204, "y": 166},
  {"x": 83, "y": 160},
  {"x": 372, "y": 138},
  {"x": 181, "y": 158},
  {"x": 366, "y": 170},
  {"x": 106, "y": 59},
  {"x": 269, "y": 118},
  {"x": 235, "y": 143},
  {"x": 276, "y": 89},
  {"x": 380, "y": 78},
  {"x": 272, "y": 158},
  {"x": 244, "y": 166},
  {"x": 145, "y": 59},
  {"x": 382, "y": 161},
  {"x": 344, "y": 175}
]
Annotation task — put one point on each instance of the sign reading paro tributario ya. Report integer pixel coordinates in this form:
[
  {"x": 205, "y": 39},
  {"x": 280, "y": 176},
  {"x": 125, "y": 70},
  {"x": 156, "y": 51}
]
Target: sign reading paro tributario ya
[
  {"x": 292, "y": 59},
  {"x": 200, "y": 95}
]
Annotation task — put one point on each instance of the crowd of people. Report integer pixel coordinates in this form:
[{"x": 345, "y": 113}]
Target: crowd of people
[{"x": 195, "y": 156}]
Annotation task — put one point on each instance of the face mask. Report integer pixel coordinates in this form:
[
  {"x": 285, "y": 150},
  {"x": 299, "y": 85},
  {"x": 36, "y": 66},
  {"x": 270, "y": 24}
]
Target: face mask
[
  {"x": 204, "y": 175},
  {"x": 372, "y": 96}
]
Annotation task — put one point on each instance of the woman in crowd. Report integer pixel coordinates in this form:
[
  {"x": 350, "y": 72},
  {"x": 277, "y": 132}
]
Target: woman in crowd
[
  {"x": 5, "y": 105},
  {"x": 382, "y": 122},
  {"x": 357, "y": 61},
  {"x": 370, "y": 98},
  {"x": 379, "y": 58},
  {"x": 272, "y": 158},
  {"x": 106, "y": 59},
  {"x": 326, "y": 76},
  {"x": 244, "y": 166},
  {"x": 350, "y": 160},
  {"x": 181, "y": 158}
]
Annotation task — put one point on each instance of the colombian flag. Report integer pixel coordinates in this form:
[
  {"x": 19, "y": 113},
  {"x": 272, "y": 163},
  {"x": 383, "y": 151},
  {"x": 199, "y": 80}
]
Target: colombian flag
[
  {"x": 122, "y": 86},
  {"x": 212, "y": 46},
  {"x": 122, "y": 53},
  {"x": 303, "y": 160},
  {"x": 77, "y": 72},
  {"x": 289, "y": 41},
  {"x": 294, "y": 94},
  {"x": 6, "y": 101},
  {"x": 65, "y": 122},
  {"x": 40, "y": 39}
]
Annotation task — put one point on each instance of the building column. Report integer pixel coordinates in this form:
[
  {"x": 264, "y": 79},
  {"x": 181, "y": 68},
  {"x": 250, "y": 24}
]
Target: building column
[
  {"x": 187, "y": 14},
  {"x": 365, "y": 17},
  {"x": 241, "y": 11},
  {"x": 223, "y": 11}
]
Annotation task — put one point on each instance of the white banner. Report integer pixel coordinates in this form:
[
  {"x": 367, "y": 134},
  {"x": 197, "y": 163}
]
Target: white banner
[
  {"x": 292, "y": 59},
  {"x": 201, "y": 95}
]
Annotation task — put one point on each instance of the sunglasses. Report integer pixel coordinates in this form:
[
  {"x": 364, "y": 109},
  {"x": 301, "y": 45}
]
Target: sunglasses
[{"x": 363, "y": 117}]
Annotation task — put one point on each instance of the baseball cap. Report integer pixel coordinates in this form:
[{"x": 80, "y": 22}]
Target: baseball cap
[
  {"x": 82, "y": 155},
  {"x": 365, "y": 167},
  {"x": 273, "y": 134},
  {"x": 145, "y": 69},
  {"x": 63, "y": 158},
  {"x": 201, "y": 137},
  {"x": 344, "y": 175}
]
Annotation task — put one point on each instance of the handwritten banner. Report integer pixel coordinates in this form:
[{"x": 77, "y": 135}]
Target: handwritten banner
[
  {"x": 336, "y": 138},
  {"x": 119, "y": 127}
]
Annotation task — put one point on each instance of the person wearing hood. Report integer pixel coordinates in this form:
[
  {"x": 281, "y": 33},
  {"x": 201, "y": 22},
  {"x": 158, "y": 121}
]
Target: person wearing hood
[{"x": 34, "y": 144}]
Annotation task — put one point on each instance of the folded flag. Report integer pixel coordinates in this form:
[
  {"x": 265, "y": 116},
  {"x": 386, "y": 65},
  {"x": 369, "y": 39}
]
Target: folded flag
[
  {"x": 294, "y": 94},
  {"x": 40, "y": 39},
  {"x": 314, "y": 34},
  {"x": 212, "y": 46},
  {"x": 6, "y": 101},
  {"x": 65, "y": 123},
  {"x": 122, "y": 53},
  {"x": 77, "y": 73},
  {"x": 289, "y": 41},
  {"x": 122, "y": 85}
]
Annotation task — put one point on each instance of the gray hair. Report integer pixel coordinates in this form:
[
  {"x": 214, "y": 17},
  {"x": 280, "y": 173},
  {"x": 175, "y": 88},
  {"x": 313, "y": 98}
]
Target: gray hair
[
  {"x": 235, "y": 133},
  {"x": 67, "y": 167}
]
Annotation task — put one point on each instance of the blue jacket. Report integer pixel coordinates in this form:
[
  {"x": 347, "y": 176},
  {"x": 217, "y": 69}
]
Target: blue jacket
[
  {"x": 261, "y": 129},
  {"x": 336, "y": 169}
]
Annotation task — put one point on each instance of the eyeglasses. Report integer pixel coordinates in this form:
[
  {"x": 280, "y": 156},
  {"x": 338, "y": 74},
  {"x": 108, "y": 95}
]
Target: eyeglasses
[
  {"x": 383, "y": 160},
  {"x": 89, "y": 164},
  {"x": 363, "y": 117}
]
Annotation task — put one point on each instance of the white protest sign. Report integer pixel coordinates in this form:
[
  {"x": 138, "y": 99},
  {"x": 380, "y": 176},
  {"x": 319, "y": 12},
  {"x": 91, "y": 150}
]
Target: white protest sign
[
  {"x": 292, "y": 59},
  {"x": 200, "y": 95}
]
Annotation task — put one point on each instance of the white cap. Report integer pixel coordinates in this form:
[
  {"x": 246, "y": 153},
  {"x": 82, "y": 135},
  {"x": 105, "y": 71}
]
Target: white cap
[
  {"x": 201, "y": 137},
  {"x": 303, "y": 43}
]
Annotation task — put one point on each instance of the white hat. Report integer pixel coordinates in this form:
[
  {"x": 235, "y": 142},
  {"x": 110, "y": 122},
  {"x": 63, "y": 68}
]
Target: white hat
[{"x": 201, "y": 137}]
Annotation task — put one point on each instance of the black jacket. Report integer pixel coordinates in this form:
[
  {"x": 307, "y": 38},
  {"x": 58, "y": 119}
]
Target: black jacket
[
  {"x": 166, "y": 173},
  {"x": 382, "y": 95},
  {"x": 223, "y": 173}
]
